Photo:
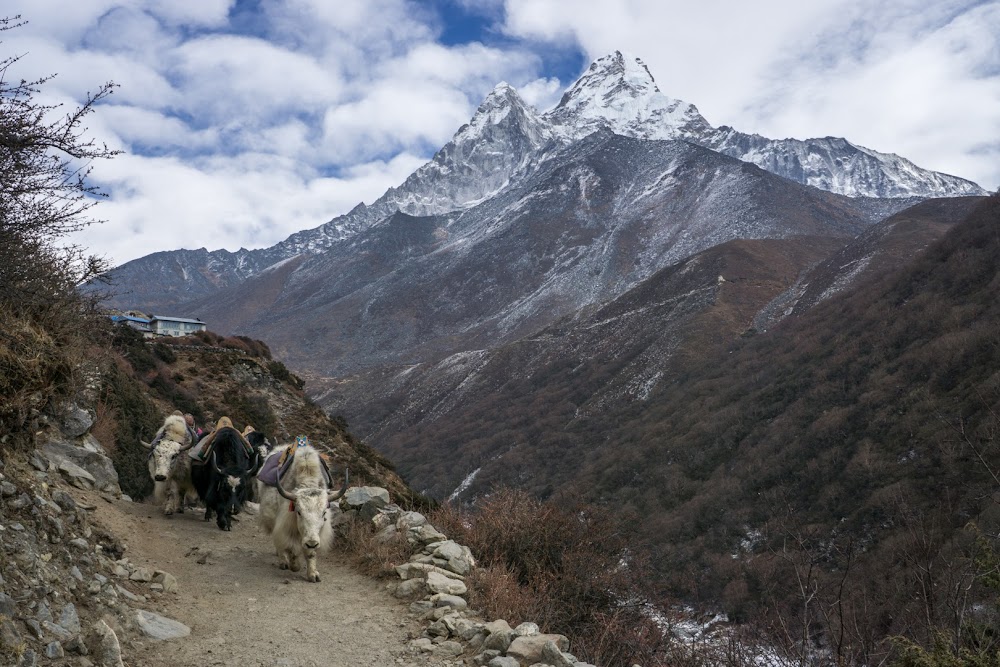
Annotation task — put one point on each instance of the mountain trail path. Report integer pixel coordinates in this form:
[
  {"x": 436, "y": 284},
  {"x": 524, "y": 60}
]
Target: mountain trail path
[{"x": 244, "y": 611}]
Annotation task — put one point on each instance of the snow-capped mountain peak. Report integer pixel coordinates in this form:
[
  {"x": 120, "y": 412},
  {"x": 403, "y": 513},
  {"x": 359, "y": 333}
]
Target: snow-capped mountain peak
[
  {"x": 496, "y": 108},
  {"x": 610, "y": 81},
  {"x": 619, "y": 93},
  {"x": 498, "y": 143},
  {"x": 506, "y": 141}
]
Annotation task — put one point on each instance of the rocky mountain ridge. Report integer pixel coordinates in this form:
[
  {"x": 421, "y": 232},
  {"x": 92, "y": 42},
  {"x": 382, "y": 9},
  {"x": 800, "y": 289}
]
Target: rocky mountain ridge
[
  {"x": 612, "y": 359},
  {"x": 597, "y": 218},
  {"x": 506, "y": 141}
]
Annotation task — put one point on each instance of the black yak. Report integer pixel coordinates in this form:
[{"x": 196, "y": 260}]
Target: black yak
[{"x": 225, "y": 473}]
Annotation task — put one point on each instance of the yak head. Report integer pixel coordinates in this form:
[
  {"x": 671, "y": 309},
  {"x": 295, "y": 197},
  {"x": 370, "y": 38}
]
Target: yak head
[
  {"x": 260, "y": 444},
  {"x": 232, "y": 486},
  {"x": 164, "y": 458},
  {"x": 310, "y": 505},
  {"x": 311, "y": 514}
]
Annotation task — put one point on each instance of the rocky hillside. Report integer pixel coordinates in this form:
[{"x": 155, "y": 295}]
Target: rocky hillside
[
  {"x": 845, "y": 420},
  {"x": 211, "y": 377},
  {"x": 594, "y": 363},
  {"x": 67, "y": 586},
  {"x": 881, "y": 249}
]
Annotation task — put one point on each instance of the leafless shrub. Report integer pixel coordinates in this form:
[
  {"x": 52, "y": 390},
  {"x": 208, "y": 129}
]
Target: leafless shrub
[
  {"x": 44, "y": 196},
  {"x": 105, "y": 426},
  {"x": 496, "y": 592},
  {"x": 563, "y": 564}
]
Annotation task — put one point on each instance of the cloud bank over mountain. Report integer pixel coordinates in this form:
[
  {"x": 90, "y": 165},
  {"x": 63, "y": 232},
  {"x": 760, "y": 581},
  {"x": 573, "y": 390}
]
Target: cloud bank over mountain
[{"x": 244, "y": 122}]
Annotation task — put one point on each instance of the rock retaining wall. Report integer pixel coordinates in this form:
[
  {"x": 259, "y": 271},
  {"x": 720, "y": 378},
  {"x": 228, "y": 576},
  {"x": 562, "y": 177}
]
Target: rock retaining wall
[{"x": 434, "y": 581}]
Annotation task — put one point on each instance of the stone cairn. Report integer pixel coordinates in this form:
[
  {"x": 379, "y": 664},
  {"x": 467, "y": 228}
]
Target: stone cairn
[{"x": 434, "y": 579}]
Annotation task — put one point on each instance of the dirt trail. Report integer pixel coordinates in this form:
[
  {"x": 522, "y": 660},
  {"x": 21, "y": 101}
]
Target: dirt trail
[{"x": 243, "y": 611}]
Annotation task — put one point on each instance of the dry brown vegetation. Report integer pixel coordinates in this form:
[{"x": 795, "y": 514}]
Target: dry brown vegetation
[
  {"x": 816, "y": 479},
  {"x": 560, "y": 563},
  {"x": 563, "y": 564},
  {"x": 48, "y": 327},
  {"x": 374, "y": 556}
]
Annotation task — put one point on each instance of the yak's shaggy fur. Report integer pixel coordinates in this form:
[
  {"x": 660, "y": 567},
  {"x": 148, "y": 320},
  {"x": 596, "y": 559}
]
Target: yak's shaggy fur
[
  {"x": 302, "y": 528},
  {"x": 170, "y": 468}
]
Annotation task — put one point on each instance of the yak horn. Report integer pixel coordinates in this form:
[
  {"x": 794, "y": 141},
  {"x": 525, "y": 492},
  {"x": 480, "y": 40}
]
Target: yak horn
[
  {"x": 145, "y": 444},
  {"x": 332, "y": 495},
  {"x": 215, "y": 465},
  {"x": 187, "y": 447},
  {"x": 284, "y": 494}
]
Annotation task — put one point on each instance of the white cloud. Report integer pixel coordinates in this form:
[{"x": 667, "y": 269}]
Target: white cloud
[
  {"x": 235, "y": 115},
  {"x": 469, "y": 67},
  {"x": 81, "y": 71},
  {"x": 135, "y": 127},
  {"x": 127, "y": 30},
  {"x": 228, "y": 76},
  {"x": 349, "y": 34},
  {"x": 63, "y": 21},
  {"x": 928, "y": 90},
  {"x": 254, "y": 201},
  {"x": 205, "y": 13},
  {"x": 542, "y": 93},
  {"x": 420, "y": 99},
  {"x": 391, "y": 116}
]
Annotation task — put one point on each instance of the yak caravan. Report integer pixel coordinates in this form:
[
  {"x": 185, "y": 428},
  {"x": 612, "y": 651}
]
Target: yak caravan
[{"x": 221, "y": 470}]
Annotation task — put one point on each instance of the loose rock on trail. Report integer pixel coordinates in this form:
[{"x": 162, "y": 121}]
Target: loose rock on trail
[{"x": 244, "y": 611}]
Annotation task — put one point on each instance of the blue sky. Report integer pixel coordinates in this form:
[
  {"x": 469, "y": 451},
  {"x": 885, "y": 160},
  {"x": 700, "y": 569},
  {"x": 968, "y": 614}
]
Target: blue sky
[{"x": 245, "y": 121}]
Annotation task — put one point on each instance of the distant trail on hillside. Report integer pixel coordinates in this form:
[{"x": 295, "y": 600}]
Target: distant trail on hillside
[{"x": 243, "y": 611}]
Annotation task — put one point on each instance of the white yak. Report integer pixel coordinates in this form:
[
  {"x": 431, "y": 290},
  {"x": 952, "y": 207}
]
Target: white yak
[
  {"x": 170, "y": 470},
  {"x": 295, "y": 511}
]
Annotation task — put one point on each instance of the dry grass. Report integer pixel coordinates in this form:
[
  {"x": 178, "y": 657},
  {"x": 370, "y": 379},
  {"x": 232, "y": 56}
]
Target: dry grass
[
  {"x": 562, "y": 564},
  {"x": 495, "y": 591},
  {"x": 10, "y": 654},
  {"x": 373, "y": 556},
  {"x": 105, "y": 426},
  {"x": 35, "y": 367}
]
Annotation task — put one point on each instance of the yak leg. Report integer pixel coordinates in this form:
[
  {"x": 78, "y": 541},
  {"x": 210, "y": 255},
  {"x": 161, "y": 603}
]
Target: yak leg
[
  {"x": 281, "y": 552},
  {"x": 171, "y": 505},
  {"x": 312, "y": 574},
  {"x": 190, "y": 498},
  {"x": 222, "y": 518},
  {"x": 209, "y": 502},
  {"x": 293, "y": 561},
  {"x": 287, "y": 560}
]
